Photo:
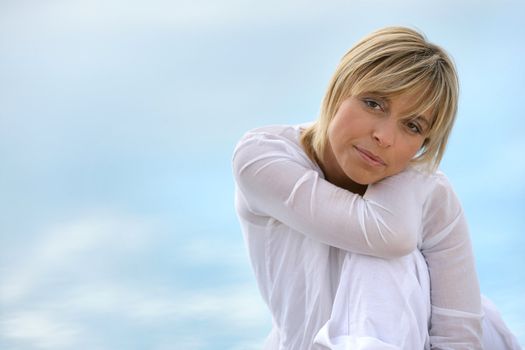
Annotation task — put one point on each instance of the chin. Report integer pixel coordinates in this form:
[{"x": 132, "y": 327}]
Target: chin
[{"x": 363, "y": 179}]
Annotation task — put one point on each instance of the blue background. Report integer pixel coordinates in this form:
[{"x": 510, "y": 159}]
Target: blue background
[{"x": 117, "y": 124}]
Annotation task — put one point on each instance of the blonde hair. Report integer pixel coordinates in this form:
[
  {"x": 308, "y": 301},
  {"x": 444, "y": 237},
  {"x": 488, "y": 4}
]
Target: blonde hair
[{"x": 391, "y": 62}]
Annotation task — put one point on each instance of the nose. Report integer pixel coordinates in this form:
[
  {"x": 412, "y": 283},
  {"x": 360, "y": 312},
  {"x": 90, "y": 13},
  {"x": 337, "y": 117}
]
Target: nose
[{"x": 384, "y": 132}]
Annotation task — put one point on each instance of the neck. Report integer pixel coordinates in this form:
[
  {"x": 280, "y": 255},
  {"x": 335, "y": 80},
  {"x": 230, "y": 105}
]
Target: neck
[{"x": 335, "y": 175}]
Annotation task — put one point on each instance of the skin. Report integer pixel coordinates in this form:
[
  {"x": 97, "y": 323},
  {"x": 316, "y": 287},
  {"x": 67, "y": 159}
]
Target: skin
[{"x": 370, "y": 138}]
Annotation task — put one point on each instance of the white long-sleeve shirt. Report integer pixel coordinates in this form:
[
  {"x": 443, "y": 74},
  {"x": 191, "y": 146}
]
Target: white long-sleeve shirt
[{"x": 296, "y": 224}]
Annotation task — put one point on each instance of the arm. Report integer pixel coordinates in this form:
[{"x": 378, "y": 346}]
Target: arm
[
  {"x": 275, "y": 179},
  {"x": 455, "y": 295}
]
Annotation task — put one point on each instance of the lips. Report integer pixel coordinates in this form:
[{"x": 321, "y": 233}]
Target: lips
[{"x": 370, "y": 157}]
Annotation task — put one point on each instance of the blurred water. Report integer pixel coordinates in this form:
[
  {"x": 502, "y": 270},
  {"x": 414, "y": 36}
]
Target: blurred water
[{"x": 117, "y": 124}]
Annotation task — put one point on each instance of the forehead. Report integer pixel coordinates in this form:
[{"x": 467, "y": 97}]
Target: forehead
[
  {"x": 410, "y": 104},
  {"x": 417, "y": 96}
]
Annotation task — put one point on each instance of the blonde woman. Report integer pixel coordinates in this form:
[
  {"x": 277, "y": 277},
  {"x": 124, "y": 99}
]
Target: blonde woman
[{"x": 356, "y": 240}]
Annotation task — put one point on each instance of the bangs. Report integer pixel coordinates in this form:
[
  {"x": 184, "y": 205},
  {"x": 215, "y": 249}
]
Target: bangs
[{"x": 426, "y": 82}]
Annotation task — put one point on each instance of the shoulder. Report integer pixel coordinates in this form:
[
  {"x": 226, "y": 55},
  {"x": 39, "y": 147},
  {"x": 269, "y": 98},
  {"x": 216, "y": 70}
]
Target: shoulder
[
  {"x": 420, "y": 179},
  {"x": 287, "y": 133},
  {"x": 434, "y": 186},
  {"x": 434, "y": 180},
  {"x": 441, "y": 201},
  {"x": 273, "y": 141}
]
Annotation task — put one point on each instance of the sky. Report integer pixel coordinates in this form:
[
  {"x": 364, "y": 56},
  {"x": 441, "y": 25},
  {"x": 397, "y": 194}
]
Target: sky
[{"x": 117, "y": 124}]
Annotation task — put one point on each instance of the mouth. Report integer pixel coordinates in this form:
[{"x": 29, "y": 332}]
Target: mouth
[{"x": 370, "y": 157}]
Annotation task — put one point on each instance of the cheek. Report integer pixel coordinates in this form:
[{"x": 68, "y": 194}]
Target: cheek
[
  {"x": 334, "y": 135},
  {"x": 410, "y": 151}
]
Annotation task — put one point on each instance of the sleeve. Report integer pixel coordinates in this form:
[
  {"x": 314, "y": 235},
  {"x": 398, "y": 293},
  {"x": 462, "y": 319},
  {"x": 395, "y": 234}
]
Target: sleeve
[
  {"x": 275, "y": 181},
  {"x": 456, "y": 312}
]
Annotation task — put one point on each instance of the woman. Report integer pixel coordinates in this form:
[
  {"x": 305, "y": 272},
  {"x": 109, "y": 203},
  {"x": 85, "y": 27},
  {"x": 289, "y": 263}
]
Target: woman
[{"x": 356, "y": 241}]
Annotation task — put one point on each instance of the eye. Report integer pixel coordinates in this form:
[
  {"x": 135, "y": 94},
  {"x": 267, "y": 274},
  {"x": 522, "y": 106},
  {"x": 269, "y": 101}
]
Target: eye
[
  {"x": 414, "y": 127},
  {"x": 372, "y": 104}
]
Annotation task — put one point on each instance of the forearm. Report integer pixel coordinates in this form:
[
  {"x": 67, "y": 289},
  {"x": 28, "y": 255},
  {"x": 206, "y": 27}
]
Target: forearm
[{"x": 385, "y": 222}]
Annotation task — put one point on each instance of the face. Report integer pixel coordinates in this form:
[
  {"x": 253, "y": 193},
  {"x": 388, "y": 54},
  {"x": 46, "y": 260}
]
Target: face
[{"x": 370, "y": 138}]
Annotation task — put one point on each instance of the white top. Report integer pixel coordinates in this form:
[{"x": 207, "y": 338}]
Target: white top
[{"x": 293, "y": 222}]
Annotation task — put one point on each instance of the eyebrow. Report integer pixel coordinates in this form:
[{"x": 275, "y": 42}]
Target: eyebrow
[
  {"x": 388, "y": 101},
  {"x": 423, "y": 119}
]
